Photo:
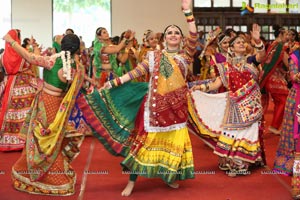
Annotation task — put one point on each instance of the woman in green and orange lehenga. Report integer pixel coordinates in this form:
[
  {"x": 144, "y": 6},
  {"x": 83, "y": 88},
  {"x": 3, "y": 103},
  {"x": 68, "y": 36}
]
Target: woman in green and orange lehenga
[
  {"x": 18, "y": 94},
  {"x": 44, "y": 166},
  {"x": 147, "y": 122}
]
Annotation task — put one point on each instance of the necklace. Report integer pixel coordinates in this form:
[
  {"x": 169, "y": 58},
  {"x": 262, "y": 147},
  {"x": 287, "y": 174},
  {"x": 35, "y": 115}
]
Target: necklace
[
  {"x": 172, "y": 51},
  {"x": 238, "y": 62}
]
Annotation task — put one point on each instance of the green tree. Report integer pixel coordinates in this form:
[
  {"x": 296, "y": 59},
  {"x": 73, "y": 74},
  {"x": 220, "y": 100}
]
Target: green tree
[{"x": 70, "y": 6}]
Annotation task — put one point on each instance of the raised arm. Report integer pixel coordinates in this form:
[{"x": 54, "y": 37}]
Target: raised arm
[
  {"x": 191, "y": 41},
  {"x": 117, "y": 48},
  {"x": 43, "y": 61},
  {"x": 260, "y": 48},
  {"x": 186, "y": 7}
]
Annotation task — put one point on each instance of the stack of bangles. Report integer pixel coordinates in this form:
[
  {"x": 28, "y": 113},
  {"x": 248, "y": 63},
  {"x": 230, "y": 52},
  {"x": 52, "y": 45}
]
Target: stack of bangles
[
  {"x": 260, "y": 46},
  {"x": 115, "y": 82},
  {"x": 189, "y": 16}
]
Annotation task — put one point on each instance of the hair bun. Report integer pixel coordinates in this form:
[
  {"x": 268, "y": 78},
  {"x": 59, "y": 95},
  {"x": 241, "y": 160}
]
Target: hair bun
[{"x": 70, "y": 43}]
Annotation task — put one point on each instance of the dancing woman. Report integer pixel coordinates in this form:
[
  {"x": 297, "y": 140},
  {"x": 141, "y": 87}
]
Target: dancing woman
[
  {"x": 105, "y": 66},
  {"x": 154, "y": 140},
  {"x": 236, "y": 133},
  {"x": 18, "y": 94},
  {"x": 273, "y": 82},
  {"x": 44, "y": 166}
]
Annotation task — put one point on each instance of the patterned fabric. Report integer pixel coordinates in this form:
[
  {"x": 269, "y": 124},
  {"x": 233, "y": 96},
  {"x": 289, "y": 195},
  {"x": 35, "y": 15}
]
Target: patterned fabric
[
  {"x": 286, "y": 148},
  {"x": 103, "y": 58},
  {"x": 244, "y": 104},
  {"x": 207, "y": 123},
  {"x": 165, "y": 153},
  {"x": 78, "y": 121},
  {"x": 17, "y": 97},
  {"x": 240, "y": 144},
  {"x": 272, "y": 77},
  {"x": 296, "y": 177},
  {"x": 50, "y": 145},
  {"x": 229, "y": 122},
  {"x": 111, "y": 115},
  {"x": 163, "y": 157},
  {"x": 166, "y": 106}
]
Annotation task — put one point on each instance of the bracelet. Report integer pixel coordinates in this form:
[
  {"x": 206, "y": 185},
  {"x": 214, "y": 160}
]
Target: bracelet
[
  {"x": 121, "y": 80},
  {"x": 190, "y": 18},
  {"x": 187, "y": 11},
  {"x": 118, "y": 80},
  {"x": 260, "y": 47},
  {"x": 12, "y": 43}
]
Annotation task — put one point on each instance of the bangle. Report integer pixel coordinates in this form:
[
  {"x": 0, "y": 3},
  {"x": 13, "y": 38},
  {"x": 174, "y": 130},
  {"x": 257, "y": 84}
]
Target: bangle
[
  {"x": 260, "y": 47},
  {"x": 118, "y": 80},
  {"x": 12, "y": 43},
  {"x": 190, "y": 20},
  {"x": 258, "y": 41},
  {"x": 187, "y": 11}
]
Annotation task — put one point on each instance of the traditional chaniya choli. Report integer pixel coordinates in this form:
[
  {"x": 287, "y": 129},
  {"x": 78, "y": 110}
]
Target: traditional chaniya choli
[
  {"x": 229, "y": 122},
  {"x": 16, "y": 95},
  {"x": 147, "y": 122},
  {"x": 51, "y": 143}
]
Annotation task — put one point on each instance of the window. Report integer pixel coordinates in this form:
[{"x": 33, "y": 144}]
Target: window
[
  {"x": 239, "y": 3},
  {"x": 84, "y": 17},
  {"x": 202, "y": 4},
  {"x": 221, "y": 3},
  {"x": 294, "y": 6},
  {"x": 260, "y": 6},
  {"x": 5, "y": 19}
]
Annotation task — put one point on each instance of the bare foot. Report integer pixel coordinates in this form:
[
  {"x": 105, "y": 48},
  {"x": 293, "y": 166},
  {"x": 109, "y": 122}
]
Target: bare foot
[
  {"x": 173, "y": 185},
  {"x": 128, "y": 189}
]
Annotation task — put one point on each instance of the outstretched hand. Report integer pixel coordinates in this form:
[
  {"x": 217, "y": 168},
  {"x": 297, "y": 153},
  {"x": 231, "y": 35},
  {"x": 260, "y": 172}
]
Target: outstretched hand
[
  {"x": 106, "y": 85},
  {"x": 200, "y": 87},
  {"x": 255, "y": 33},
  {"x": 186, "y": 4}
]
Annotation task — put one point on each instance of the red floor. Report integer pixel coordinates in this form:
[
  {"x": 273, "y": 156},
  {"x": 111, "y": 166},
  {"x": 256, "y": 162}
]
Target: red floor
[{"x": 99, "y": 176}]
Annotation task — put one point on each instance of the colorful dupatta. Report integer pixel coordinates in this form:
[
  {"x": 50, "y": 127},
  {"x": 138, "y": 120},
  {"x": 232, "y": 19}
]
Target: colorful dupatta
[
  {"x": 274, "y": 57},
  {"x": 43, "y": 144},
  {"x": 98, "y": 47}
]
